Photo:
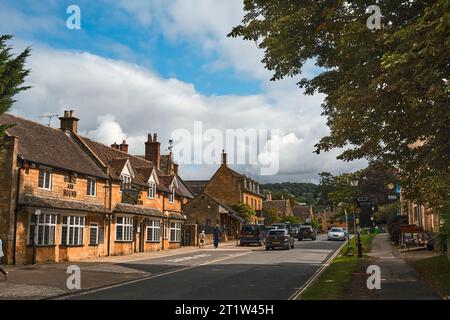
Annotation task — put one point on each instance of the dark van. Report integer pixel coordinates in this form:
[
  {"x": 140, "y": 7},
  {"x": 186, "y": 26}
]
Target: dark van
[{"x": 251, "y": 234}]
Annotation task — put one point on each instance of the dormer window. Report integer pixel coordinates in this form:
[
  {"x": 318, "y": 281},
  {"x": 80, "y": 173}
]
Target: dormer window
[
  {"x": 125, "y": 181},
  {"x": 151, "y": 190},
  {"x": 172, "y": 194}
]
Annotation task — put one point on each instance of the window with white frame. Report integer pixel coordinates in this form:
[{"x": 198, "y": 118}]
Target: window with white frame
[
  {"x": 124, "y": 229},
  {"x": 45, "y": 179},
  {"x": 165, "y": 230},
  {"x": 151, "y": 190},
  {"x": 91, "y": 187},
  {"x": 172, "y": 194},
  {"x": 72, "y": 230},
  {"x": 175, "y": 232},
  {"x": 93, "y": 234},
  {"x": 44, "y": 228},
  {"x": 125, "y": 181},
  {"x": 153, "y": 230}
]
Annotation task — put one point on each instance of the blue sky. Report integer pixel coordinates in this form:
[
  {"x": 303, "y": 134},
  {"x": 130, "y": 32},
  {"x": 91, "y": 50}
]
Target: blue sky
[
  {"x": 140, "y": 66},
  {"x": 114, "y": 33}
]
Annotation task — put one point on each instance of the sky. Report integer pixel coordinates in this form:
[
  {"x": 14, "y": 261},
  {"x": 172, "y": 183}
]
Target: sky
[{"x": 142, "y": 66}]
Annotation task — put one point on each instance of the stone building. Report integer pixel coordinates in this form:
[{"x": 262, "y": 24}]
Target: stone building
[
  {"x": 281, "y": 207},
  {"x": 66, "y": 197},
  {"x": 225, "y": 189}
]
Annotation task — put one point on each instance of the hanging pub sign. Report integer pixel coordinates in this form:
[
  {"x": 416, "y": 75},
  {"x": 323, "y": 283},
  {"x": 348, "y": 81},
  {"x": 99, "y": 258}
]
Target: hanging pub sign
[{"x": 131, "y": 196}]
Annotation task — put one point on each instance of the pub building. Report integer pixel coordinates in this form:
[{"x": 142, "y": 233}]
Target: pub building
[{"x": 64, "y": 197}]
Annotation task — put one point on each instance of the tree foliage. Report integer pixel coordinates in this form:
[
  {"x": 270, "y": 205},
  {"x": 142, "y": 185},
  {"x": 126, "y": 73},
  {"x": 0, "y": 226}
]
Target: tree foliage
[
  {"x": 384, "y": 90},
  {"x": 244, "y": 211},
  {"x": 270, "y": 216},
  {"x": 12, "y": 76}
]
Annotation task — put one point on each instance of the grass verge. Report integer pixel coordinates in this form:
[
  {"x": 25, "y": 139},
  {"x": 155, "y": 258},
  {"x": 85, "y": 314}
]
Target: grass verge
[
  {"x": 337, "y": 278},
  {"x": 436, "y": 272}
]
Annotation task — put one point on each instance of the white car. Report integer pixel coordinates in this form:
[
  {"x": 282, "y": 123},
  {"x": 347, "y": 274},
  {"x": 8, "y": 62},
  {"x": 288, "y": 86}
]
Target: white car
[{"x": 337, "y": 234}]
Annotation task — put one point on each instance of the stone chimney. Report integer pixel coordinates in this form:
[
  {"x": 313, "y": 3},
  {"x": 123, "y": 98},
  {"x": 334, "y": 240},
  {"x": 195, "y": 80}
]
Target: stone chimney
[
  {"x": 115, "y": 146},
  {"x": 153, "y": 150},
  {"x": 69, "y": 122},
  {"x": 175, "y": 168},
  {"x": 224, "y": 157},
  {"x": 124, "y": 146},
  {"x": 269, "y": 196}
]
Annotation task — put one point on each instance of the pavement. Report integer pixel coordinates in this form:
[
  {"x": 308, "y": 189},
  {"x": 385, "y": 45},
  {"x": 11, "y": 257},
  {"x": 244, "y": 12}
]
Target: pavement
[{"x": 399, "y": 281}]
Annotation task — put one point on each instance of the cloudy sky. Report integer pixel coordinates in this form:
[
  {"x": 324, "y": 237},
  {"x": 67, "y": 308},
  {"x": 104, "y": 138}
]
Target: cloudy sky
[{"x": 140, "y": 66}]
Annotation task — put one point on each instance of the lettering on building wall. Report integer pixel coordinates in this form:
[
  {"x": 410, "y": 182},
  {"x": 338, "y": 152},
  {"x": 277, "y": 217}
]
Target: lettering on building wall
[{"x": 70, "y": 191}]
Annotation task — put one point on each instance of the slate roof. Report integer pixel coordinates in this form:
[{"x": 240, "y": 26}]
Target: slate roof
[
  {"x": 196, "y": 186},
  {"x": 139, "y": 210},
  {"x": 50, "y": 203},
  {"x": 302, "y": 212},
  {"x": 230, "y": 210},
  {"x": 281, "y": 206},
  {"x": 51, "y": 147}
]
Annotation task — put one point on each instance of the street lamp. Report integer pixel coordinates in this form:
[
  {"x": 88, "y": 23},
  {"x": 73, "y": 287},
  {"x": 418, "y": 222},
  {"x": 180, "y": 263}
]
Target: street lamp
[
  {"x": 355, "y": 183},
  {"x": 346, "y": 223},
  {"x": 37, "y": 213}
]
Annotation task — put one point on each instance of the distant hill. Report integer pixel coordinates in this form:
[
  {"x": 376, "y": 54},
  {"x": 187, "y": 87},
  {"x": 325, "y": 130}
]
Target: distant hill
[{"x": 301, "y": 191}]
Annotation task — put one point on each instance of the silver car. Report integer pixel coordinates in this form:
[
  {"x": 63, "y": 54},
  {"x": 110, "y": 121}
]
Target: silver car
[{"x": 337, "y": 234}]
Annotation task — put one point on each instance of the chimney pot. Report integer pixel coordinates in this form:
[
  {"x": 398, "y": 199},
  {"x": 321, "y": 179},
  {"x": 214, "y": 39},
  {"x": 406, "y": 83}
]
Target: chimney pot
[
  {"x": 149, "y": 138},
  {"x": 124, "y": 146},
  {"x": 69, "y": 122},
  {"x": 224, "y": 157},
  {"x": 155, "y": 137}
]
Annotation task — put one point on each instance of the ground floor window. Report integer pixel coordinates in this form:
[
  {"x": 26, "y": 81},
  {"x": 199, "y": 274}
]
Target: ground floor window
[
  {"x": 124, "y": 229},
  {"x": 153, "y": 230},
  {"x": 175, "y": 232},
  {"x": 72, "y": 230},
  {"x": 93, "y": 234},
  {"x": 42, "y": 229}
]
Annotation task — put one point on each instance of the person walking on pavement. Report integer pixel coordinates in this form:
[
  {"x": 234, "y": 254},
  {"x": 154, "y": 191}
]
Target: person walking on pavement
[
  {"x": 216, "y": 236},
  {"x": 5, "y": 274},
  {"x": 201, "y": 238}
]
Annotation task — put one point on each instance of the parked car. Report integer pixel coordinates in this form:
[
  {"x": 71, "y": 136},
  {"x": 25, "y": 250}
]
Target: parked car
[
  {"x": 293, "y": 231},
  {"x": 280, "y": 226},
  {"x": 265, "y": 232},
  {"x": 307, "y": 232},
  {"x": 251, "y": 234},
  {"x": 279, "y": 238},
  {"x": 337, "y": 234}
]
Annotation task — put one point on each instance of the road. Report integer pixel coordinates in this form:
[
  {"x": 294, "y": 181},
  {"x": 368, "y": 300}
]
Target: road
[{"x": 249, "y": 273}]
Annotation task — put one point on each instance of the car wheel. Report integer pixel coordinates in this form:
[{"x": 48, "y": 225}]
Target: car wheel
[
  {"x": 300, "y": 239},
  {"x": 292, "y": 246},
  {"x": 267, "y": 248}
]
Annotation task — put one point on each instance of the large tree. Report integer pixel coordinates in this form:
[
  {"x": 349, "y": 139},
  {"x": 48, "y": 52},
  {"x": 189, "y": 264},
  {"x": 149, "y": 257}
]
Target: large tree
[
  {"x": 12, "y": 76},
  {"x": 385, "y": 89}
]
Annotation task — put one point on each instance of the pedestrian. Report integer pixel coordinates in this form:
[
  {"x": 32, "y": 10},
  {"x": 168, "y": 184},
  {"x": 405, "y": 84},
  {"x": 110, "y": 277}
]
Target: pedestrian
[
  {"x": 201, "y": 238},
  {"x": 5, "y": 274},
  {"x": 216, "y": 236}
]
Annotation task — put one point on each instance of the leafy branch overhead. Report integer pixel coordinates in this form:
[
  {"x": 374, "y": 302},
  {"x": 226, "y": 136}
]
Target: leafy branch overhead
[
  {"x": 12, "y": 76},
  {"x": 384, "y": 90}
]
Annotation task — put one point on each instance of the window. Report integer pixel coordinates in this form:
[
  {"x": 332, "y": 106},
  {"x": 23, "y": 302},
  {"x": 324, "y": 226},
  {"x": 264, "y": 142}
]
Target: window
[
  {"x": 175, "y": 231},
  {"x": 45, "y": 227},
  {"x": 165, "y": 230},
  {"x": 172, "y": 194},
  {"x": 124, "y": 229},
  {"x": 72, "y": 231},
  {"x": 153, "y": 230},
  {"x": 91, "y": 187},
  {"x": 151, "y": 190},
  {"x": 125, "y": 181},
  {"x": 93, "y": 234},
  {"x": 45, "y": 179},
  {"x": 101, "y": 234}
]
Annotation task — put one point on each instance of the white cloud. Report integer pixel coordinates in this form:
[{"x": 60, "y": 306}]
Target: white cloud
[{"x": 117, "y": 100}]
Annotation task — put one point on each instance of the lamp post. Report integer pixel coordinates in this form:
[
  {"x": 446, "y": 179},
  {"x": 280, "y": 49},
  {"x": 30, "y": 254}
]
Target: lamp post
[
  {"x": 355, "y": 183},
  {"x": 37, "y": 213}
]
